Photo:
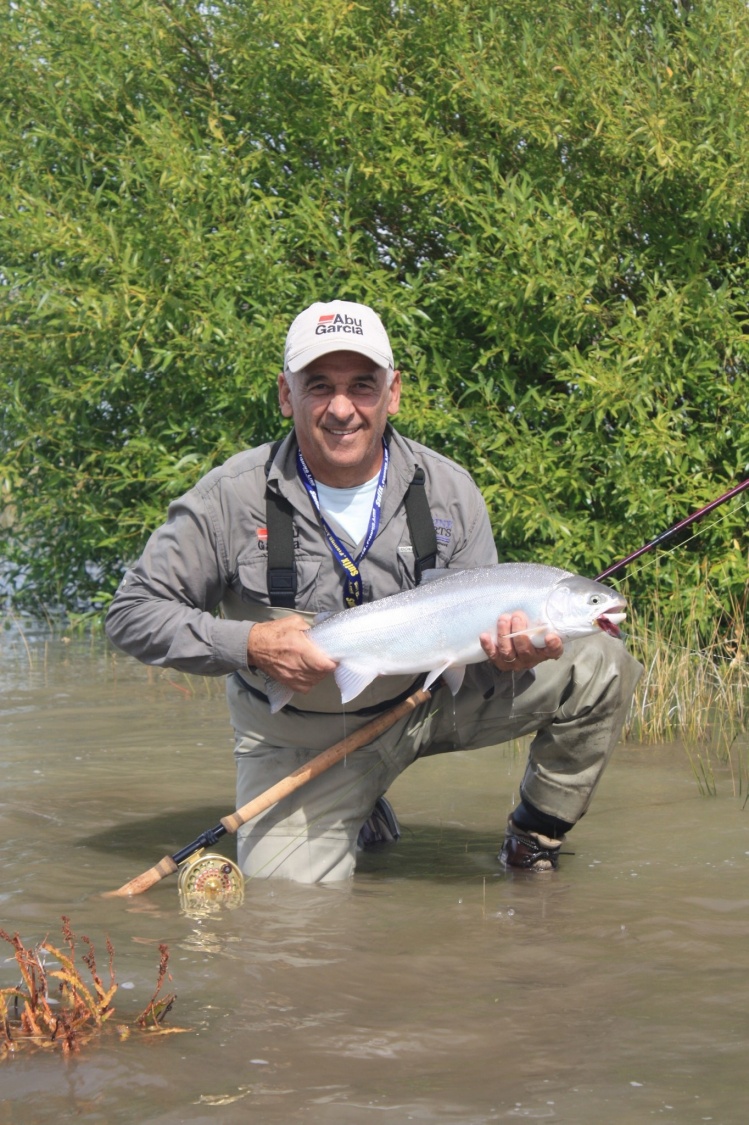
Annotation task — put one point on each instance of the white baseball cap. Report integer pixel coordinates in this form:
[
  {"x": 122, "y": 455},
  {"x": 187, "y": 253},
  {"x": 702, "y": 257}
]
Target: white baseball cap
[{"x": 336, "y": 326}]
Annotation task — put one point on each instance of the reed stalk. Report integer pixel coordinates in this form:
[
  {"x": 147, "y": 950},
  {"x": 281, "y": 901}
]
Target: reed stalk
[{"x": 695, "y": 688}]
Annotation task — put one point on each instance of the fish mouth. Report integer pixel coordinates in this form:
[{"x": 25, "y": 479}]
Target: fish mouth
[{"x": 610, "y": 622}]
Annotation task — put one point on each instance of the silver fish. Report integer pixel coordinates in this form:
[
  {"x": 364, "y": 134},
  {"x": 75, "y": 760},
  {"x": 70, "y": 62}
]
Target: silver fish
[{"x": 435, "y": 627}]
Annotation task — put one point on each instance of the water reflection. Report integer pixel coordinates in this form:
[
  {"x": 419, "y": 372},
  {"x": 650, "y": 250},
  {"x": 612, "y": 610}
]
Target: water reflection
[{"x": 432, "y": 989}]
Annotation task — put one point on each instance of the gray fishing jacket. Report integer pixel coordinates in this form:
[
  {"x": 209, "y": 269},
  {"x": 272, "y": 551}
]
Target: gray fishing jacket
[{"x": 191, "y": 599}]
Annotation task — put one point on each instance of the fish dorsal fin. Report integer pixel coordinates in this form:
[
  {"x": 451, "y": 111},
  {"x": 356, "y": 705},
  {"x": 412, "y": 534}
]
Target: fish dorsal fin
[
  {"x": 352, "y": 681},
  {"x": 443, "y": 572}
]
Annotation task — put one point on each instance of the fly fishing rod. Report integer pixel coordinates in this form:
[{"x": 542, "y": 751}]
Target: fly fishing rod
[
  {"x": 215, "y": 878},
  {"x": 673, "y": 530}
]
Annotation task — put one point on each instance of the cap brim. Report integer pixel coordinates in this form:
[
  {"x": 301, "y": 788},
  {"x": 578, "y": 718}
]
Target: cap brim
[{"x": 337, "y": 344}]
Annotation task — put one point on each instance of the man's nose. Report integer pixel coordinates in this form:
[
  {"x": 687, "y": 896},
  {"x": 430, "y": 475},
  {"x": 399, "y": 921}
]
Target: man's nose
[{"x": 341, "y": 405}]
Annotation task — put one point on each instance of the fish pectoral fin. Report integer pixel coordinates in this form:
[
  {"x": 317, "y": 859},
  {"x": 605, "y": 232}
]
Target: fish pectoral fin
[
  {"x": 537, "y": 633},
  {"x": 352, "y": 681},
  {"x": 452, "y": 674},
  {"x": 278, "y": 695}
]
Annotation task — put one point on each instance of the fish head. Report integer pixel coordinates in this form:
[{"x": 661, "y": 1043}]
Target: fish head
[{"x": 578, "y": 606}]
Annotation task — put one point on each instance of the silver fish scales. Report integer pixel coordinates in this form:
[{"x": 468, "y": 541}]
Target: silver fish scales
[{"x": 435, "y": 627}]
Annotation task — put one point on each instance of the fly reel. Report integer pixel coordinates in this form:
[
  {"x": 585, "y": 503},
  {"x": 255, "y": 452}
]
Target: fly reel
[{"x": 207, "y": 880}]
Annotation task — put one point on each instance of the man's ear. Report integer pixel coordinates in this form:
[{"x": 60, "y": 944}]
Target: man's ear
[
  {"x": 284, "y": 396},
  {"x": 394, "y": 400}
]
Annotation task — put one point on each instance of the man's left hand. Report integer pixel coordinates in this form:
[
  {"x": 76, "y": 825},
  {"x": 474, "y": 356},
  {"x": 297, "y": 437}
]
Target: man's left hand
[{"x": 512, "y": 650}]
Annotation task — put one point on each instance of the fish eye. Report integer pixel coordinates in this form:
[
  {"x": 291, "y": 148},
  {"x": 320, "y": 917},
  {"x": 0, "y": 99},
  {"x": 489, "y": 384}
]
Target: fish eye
[{"x": 595, "y": 599}]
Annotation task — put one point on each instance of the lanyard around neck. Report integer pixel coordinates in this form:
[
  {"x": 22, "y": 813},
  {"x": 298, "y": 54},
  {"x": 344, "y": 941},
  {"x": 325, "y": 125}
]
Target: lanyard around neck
[{"x": 353, "y": 593}]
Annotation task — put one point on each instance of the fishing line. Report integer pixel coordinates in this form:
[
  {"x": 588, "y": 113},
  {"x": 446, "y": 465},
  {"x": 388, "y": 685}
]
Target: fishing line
[
  {"x": 679, "y": 526},
  {"x": 676, "y": 546},
  {"x": 652, "y": 634},
  {"x": 662, "y": 554}
]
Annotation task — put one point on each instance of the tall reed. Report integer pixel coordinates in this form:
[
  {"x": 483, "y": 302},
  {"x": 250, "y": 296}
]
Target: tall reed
[{"x": 695, "y": 687}]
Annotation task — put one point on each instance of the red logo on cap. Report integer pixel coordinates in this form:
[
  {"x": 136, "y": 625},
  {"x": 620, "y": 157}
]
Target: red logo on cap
[{"x": 328, "y": 316}]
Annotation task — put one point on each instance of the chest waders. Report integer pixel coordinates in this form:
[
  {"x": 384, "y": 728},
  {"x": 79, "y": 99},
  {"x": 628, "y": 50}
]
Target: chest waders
[{"x": 382, "y": 825}]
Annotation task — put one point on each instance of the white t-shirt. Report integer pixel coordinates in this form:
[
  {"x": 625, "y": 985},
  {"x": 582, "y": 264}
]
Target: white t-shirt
[{"x": 349, "y": 508}]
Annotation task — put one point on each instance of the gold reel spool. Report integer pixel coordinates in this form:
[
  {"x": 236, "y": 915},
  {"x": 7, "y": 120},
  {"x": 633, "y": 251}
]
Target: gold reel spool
[{"x": 207, "y": 880}]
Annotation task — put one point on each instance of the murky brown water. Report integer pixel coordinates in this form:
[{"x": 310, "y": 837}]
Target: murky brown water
[{"x": 434, "y": 990}]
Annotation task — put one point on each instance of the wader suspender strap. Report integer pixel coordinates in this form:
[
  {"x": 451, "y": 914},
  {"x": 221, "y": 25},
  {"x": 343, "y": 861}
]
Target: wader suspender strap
[
  {"x": 279, "y": 523},
  {"x": 420, "y": 525},
  {"x": 280, "y": 528}
]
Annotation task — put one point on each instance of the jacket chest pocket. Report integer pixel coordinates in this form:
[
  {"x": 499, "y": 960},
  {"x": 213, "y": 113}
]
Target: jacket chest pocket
[{"x": 251, "y": 582}]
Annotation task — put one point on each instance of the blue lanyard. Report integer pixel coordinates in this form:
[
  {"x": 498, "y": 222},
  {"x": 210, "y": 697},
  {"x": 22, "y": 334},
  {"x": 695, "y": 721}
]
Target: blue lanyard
[{"x": 353, "y": 593}]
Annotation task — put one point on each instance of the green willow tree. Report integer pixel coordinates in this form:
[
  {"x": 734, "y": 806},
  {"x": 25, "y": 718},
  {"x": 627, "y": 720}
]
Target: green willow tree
[{"x": 546, "y": 203}]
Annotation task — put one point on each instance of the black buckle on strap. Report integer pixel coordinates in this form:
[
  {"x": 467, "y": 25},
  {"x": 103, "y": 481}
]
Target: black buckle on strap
[{"x": 282, "y": 587}]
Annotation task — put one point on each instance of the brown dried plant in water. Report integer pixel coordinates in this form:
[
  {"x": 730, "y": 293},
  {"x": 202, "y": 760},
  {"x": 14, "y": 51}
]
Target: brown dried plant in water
[{"x": 30, "y": 1014}]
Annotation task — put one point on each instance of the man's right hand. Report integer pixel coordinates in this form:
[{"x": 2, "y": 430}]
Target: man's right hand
[{"x": 283, "y": 650}]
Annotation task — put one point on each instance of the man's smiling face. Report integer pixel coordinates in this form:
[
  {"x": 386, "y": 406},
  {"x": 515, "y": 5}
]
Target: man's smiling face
[{"x": 340, "y": 405}]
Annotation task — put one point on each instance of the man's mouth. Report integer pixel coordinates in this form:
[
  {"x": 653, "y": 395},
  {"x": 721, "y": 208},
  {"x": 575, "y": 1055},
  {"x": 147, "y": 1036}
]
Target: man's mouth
[{"x": 610, "y": 622}]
